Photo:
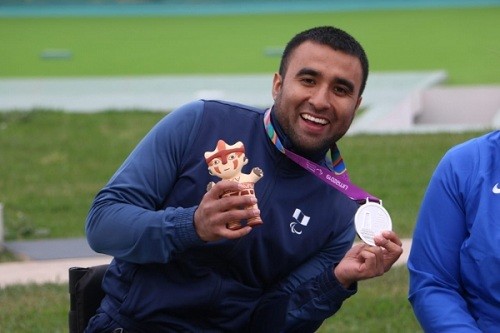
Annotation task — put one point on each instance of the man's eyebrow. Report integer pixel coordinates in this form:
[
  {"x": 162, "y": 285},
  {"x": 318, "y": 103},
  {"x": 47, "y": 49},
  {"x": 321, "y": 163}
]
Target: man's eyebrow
[{"x": 307, "y": 71}]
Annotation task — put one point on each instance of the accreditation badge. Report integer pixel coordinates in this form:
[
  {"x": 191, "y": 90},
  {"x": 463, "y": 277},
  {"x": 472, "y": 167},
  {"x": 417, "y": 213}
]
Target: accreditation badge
[{"x": 370, "y": 220}]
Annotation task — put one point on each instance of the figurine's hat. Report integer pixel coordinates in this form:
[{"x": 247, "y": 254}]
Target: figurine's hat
[{"x": 223, "y": 150}]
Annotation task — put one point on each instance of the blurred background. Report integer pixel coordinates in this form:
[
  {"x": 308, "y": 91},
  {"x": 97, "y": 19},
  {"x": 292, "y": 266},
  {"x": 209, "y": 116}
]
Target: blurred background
[
  {"x": 81, "y": 82},
  {"x": 129, "y": 54}
]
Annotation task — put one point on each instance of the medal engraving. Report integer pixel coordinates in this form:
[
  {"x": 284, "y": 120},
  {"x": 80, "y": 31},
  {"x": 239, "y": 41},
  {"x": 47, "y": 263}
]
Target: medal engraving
[{"x": 370, "y": 220}]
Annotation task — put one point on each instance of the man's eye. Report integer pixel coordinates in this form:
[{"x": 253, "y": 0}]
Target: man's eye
[
  {"x": 340, "y": 91},
  {"x": 308, "y": 81}
]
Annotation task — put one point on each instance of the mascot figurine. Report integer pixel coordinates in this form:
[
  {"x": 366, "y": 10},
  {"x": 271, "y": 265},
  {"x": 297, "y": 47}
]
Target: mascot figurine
[{"x": 226, "y": 162}]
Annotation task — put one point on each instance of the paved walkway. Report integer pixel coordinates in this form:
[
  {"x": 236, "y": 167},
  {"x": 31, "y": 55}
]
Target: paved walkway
[
  {"x": 48, "y": 261},
  {"x": 165, "y": 92},
  {"x": 44, "y": 261},
  {"x": 388, "y": 98}
]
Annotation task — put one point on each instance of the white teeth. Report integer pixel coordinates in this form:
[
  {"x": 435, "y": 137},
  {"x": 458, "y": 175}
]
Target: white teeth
[{"x": 314, "y": 119}]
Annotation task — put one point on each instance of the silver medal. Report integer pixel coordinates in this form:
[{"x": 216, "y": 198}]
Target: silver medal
[{"x": 370, "y": 220}]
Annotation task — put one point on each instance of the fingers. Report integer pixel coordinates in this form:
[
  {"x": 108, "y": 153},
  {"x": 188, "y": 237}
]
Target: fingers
[
  {"x": 361, "y": 262},
  {"x": 217, "y": 190},
  {"x": 392, "y": 248},
  {"x": 355, "y": 250},
  {"x": 217, "y": 209},
  {"x": 376, "y": 260},
  {"x": 389, "y": 236},
  {"x": 373, "y": 261},
  {"x": 389, "y": 241},
  {"x": 233, "y": 234}
]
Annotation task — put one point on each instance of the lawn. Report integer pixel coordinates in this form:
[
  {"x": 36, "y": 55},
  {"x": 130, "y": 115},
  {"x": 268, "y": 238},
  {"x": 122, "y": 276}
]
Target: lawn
[
  {"x": 463, "y": 41},
  {"x": 53, "y": 163}
]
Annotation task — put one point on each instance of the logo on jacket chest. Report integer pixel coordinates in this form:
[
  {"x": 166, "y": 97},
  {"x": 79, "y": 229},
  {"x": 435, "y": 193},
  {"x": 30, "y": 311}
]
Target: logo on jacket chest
[{"x": 300, "y": 222}]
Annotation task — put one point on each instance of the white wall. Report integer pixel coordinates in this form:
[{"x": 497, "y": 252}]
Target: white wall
[{"x": 476, "y": 105}]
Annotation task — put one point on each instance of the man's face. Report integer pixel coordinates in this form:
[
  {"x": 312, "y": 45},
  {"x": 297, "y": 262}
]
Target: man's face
[{"x": 316, "y": 101}]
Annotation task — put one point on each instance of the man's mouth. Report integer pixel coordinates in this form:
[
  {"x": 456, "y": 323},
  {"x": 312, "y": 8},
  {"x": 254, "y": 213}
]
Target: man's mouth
[{"x": 310, "y": 118}]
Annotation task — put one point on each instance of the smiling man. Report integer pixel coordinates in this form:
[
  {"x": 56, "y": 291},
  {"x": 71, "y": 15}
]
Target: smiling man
[
  {"x": 177, "y": 266},
  {"x": 316, "y": 94}
]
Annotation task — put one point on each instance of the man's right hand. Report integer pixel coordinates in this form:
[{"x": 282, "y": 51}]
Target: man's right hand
[{"x": 215, "y": 212}]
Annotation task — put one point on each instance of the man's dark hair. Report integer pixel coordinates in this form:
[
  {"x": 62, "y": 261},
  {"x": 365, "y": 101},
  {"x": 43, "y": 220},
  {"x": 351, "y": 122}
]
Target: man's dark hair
[{"x": 335, "y": 38}]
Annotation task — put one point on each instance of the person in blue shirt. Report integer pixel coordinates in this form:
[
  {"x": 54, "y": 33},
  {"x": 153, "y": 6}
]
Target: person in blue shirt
[
  {"x": 454, "y": 261},
  {"x": 177, "y": 266}
]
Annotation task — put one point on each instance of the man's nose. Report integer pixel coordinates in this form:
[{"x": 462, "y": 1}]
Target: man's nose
[{"x": 320, "y": 98}]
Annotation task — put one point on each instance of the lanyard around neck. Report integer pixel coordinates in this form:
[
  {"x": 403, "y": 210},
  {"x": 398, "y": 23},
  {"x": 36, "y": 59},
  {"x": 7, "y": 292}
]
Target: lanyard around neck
[{"x": 335, "y": 175}]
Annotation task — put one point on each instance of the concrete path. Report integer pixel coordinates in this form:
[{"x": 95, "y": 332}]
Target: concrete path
[
  {"x": 44, "y": 261},
  {"x": 388, "y": 98},
  {"x": 43, "y": 271},
  {"x": 47, "y": 262}
]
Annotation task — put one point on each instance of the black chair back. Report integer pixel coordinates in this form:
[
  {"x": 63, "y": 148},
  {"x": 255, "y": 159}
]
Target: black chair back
[{"x": 86, "y": 295}]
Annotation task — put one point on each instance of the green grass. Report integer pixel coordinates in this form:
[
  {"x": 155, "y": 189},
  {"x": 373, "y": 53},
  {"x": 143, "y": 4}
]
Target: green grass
[
  {"x": 53, "y": 163},
  {"x": 397, "y": 169},
  {"x": 34, "y": 309},
  {"x": 463, "y": 41},
  {"x": 379, "y": 306}
]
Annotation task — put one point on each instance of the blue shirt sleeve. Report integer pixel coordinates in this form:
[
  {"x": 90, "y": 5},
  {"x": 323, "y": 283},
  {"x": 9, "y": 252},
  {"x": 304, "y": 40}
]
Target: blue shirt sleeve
[
  {"x": 434, "y": 263},
  {"x": 127, "y": 219}
]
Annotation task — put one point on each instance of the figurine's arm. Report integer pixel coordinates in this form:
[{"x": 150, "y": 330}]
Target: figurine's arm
[
  {"x": 258, "y": 172},
  {"x": 210, "y": 185},
  {"x": 255, "y": 175}
]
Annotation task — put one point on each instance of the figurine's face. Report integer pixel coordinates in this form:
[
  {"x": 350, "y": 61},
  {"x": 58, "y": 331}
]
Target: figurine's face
[{"x": 227, "y": 167}]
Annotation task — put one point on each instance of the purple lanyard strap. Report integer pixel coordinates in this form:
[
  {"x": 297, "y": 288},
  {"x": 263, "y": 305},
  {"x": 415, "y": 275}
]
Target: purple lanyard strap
[{"x": 338, "y": 178}]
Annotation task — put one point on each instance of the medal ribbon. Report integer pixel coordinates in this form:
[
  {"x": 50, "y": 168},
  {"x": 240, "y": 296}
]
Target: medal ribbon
[{"x": 336, "y": 175}]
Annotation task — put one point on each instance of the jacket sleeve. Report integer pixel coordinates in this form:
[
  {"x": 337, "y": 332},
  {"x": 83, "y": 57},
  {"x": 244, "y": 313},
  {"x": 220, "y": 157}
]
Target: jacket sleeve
[
  {"x": 434, "y": 264},
  {"x": 309, "y": 295},
  {"x": 127, "y": 219}
]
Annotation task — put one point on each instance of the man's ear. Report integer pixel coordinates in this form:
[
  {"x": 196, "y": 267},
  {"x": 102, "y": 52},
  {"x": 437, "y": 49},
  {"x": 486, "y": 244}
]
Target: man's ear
[{"x": 277, "y": 84}]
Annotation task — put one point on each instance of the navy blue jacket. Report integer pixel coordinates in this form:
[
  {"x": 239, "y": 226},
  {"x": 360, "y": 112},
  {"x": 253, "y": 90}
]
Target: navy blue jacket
[{"x": 165, "y": 278}]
